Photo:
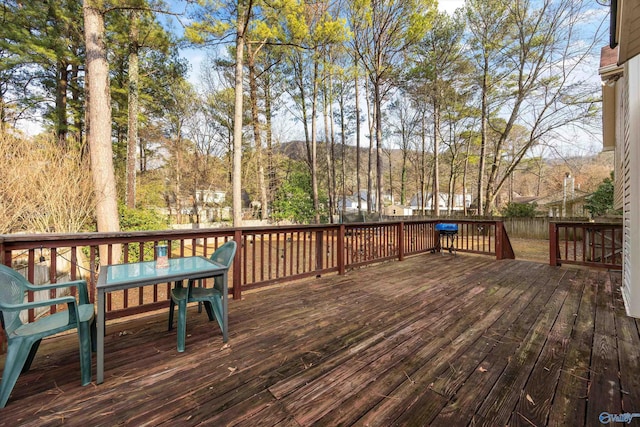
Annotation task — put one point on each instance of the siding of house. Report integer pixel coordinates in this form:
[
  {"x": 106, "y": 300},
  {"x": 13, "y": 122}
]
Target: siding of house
[
  {"x": 626, "y": 38},
  {"x": 631, "y": 172},
  {"x": 629, "y": 19},
  {"x": 619, "y": 107}
]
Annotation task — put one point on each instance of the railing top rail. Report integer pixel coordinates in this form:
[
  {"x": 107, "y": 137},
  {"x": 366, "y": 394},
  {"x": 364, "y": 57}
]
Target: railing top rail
[
  {"x": 37, "y": 240},
  {"x": 46, "y": 240},
  {"x": 469, "y": 221}
]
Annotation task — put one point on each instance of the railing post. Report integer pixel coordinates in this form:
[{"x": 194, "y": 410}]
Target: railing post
[
  {"x": 320, "y": 251},
  {"x": 6, "y": 257},
  {"x": 401, "y": 241},
  {"x": 237, "y": 266},
  {"x": 341, "y": 252},
  {"x": 553, "y": 244},
  {"x": 498, "y": 236}
]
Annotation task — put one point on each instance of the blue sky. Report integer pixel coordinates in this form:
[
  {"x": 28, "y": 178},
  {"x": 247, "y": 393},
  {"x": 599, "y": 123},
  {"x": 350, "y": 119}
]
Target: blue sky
[{"x": 196, "y": 56}]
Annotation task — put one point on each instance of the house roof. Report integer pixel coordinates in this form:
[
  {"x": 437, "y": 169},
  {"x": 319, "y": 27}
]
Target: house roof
[
  {"x": 525, "y": 199},
  {"x": 608, "y": 56},
  {"x": 558, "y": 198},
  {"x": 625, "y": 32}
]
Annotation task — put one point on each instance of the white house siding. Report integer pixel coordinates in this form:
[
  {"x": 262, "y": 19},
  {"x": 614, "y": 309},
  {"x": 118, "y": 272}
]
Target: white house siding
[
  {"x": 618, "y": 187},
  {"x": 630, "y": 131}
]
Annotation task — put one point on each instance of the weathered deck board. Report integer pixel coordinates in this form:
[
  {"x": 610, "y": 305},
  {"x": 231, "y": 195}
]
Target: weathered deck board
[
  {"x": 569, "y": 404},
  {"x": 432, "y": 340}
]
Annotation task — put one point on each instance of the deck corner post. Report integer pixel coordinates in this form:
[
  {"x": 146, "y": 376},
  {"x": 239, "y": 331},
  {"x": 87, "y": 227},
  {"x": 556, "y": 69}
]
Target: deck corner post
[
  {"x": 319, "y": 251},
  {"x": 6, "y": 254},
  {"x": 401, "y": 241},
  {"x": 6, "y": 257},
  {"x": 553, "y": 244},
  {"x": 499, "y": 230},
  {"x": 237, "y": 266},
  {"x": 341, "y": 251}
]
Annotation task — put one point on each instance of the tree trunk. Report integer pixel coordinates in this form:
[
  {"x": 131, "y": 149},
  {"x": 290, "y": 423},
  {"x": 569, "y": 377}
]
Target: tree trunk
[
  {"x": 310, "y": 134},
  {"x": 378, "y": 111},
  {"x": 333, "y": 150},
  {"x": 423, "y": 164},
  {"x": 436, "y": 162},
  {"x": 314, "y": 143},
  {"x": 464, "y": 178},
  {"x": 76, "y": 107},
  {"x": 403, "y": 178},
  {"x": 343, "y": 143},
  {"x": 257, "y": 131},
  {"x": 370, "y": 207},
  {"x": 237, "y": 121},
  {"x": 357, "y": 106},
  {"x": 483, "y": 136},
  {"x": 61, "y": 103},
  {"x": 132, "y": 130},
  {"x": 99, "y": 127},
  {"x": 271, "y": 173},
  {"x": 331, "y": 185},
  {"x": 390, "y": 176},
  {"x": 299, "y": 71}
]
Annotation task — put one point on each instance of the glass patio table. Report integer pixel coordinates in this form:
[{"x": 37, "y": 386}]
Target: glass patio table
[{"x": 125, "y": 276}]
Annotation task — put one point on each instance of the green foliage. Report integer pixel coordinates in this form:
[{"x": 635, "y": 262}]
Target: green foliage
[
  {"x": 151, "y": 188},
  {"x": 601, "y": 201},
  {"x": 520, "y": 210},
  {"x": 293, "y": 200},
  {"x": 140, "y": 219},
  {"x": 39, "y": 43}
]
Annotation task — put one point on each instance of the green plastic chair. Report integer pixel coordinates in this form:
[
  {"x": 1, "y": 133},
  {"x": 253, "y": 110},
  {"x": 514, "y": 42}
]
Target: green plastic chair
[
  {"x": 24, "y": 338},
  {"x": 215, "y": 299}
]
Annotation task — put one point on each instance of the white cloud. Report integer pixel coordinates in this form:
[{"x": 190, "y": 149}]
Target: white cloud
[{"x": 449, "y": 6}]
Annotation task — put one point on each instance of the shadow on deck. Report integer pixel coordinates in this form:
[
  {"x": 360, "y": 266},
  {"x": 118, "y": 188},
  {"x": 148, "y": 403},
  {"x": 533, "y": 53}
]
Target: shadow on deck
[{"x": 432, "y": 340}]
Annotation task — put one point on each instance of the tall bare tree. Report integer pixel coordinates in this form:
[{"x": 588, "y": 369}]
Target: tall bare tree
[
  {"x": 391, "y": 27},
  {"x": 535, "y": 78},
  {"x": 439, "y": 65},
  {"x": 99, "y": 123},
  {"x": 489, "y": 28}
]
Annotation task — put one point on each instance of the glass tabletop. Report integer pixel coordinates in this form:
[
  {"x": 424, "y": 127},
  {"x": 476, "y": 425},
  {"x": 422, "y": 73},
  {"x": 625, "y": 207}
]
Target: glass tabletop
[{"x": 148, "y": 271}]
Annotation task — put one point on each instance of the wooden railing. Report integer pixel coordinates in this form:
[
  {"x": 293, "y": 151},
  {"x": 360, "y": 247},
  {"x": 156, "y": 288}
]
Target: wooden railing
[
  {"x": 585, "y": 243},
  {"x": 265, "y": 255}
]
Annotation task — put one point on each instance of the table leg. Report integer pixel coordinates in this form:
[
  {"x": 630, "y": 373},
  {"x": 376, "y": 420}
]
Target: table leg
[
  {"x": 225, "y": 309},
  {"x": 100, "y": 330}
]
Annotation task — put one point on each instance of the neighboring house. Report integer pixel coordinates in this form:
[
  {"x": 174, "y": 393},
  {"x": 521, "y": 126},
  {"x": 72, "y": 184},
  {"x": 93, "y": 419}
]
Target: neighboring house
[
  {"x": 562, "y": 205},
  {"x": 397, "y": 210},
  {"x": 351, "y": 202},
  {"x": 566, "y": 208},
  {"x": 209, "y": 197},
  {"x": 620, "y": 73},
  {"x": 458, "y": 202}
]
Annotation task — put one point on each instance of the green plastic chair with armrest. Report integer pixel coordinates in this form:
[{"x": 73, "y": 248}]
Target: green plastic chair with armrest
[
  {"x": 215, "y": 299},
  {"x": 23, "y": 339}
]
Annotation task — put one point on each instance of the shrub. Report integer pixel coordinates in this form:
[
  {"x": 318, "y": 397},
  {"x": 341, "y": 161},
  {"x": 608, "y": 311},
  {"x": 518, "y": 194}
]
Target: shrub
[
  {"x": 141, "y": 220},
  {"x": 520, "y": 210},
  {"x": 601, "y": 201}
]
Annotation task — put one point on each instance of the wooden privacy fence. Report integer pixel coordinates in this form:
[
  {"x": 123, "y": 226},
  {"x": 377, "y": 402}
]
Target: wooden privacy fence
[
  {"x": 527, "y": 228},
  {"x": 265, "y": 256},
  {"x": 585, "y": 243}
]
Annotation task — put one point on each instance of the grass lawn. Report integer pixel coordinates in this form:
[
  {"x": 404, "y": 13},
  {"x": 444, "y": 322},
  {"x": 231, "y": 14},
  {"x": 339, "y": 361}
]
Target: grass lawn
[{"x": 531, "y": 249}]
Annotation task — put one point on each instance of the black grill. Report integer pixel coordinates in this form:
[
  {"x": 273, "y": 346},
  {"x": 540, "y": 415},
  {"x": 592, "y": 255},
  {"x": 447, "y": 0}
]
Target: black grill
[{"x": 447, "y": 234}]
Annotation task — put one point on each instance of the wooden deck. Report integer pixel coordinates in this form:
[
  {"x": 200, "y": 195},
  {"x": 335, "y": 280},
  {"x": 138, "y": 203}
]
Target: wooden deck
[{"x": 432, "y": 340}]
